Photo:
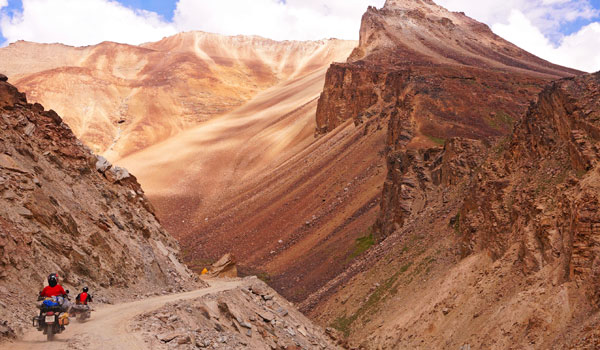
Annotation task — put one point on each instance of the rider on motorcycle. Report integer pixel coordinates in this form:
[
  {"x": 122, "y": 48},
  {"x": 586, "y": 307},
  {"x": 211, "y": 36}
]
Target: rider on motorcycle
[
  {"x": 83, "y": 298},
  {"x": 53, "y": 289}
]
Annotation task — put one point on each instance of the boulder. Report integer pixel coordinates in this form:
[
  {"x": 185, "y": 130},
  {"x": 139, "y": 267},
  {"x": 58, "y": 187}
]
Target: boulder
[
  {"x": 167, "y": 337},
  {"x": 7, "y": 162},
  {"x": 116, "y": 174},
  {"x": 225, "y": 267},
  {"x": 9, "y": 95},
  {"x": 102, "y": 165},
  {"x": 6, "y": 331},
  {"x": 54, "y": 116}
]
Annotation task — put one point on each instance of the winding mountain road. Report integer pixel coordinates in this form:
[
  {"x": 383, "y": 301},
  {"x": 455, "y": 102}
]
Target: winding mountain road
[{"x": 108, "y": 329}]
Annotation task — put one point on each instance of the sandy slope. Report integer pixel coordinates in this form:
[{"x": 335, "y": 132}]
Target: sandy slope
[
  {"x": 241, "y": 182},
  {"x": 221, "y": 154},
  {"x": 108, "y": 327},
  {"x": 120, "y": 98},
  {"x": 229, "y": 160}
]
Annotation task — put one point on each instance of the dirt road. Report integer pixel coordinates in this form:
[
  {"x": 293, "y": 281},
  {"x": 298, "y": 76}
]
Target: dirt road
[{"x": 108, "y": 327}]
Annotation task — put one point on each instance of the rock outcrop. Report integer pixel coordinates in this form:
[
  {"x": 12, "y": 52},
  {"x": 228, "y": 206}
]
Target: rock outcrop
[
  {"x": 224, "y": 267},
  {"x": 435, "y": 75},
  {"x": 252, "y": 316},
  {"x": 542, "y": 191},
  {"x": 65, "y": 210}
]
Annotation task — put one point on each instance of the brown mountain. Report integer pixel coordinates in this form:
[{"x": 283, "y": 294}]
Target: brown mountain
[
  {"x": 436, "y": 75},
  {"x": 426, "y": 93},
  {"x": 120, "y": 98}
]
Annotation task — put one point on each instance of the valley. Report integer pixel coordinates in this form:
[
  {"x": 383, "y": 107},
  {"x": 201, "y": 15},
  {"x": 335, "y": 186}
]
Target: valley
[{"x": 431, "y": 186}]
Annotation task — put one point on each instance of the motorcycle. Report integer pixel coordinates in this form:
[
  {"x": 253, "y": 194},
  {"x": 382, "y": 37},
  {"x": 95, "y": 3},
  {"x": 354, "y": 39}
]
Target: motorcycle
[
  {"x": 53, "y": 318},
  {"x": 81, "y": 312}
]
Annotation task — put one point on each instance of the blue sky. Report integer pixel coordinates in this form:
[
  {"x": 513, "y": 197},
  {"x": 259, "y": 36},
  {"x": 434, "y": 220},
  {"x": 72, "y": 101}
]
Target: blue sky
[
  {"x": 566, "y": 32},
  {"x": 572, "y": 27},
  {"x": 164, "y": 8}
]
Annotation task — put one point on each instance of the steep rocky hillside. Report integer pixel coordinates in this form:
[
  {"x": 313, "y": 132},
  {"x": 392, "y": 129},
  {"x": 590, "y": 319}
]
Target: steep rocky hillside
[
  {"x": 119, "y": 99},
  {"x": 503, "y": 257},
  {"x": 485, "y": 241},
  {"x": 65, "y": 210}
]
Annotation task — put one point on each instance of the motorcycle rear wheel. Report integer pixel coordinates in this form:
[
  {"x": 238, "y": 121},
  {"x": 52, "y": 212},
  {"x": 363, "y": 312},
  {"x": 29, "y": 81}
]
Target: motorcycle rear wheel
[{"x": 50, "y": 332}]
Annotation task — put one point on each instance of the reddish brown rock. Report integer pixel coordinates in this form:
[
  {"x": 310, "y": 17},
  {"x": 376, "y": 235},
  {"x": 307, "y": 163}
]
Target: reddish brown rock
[{"x": 9, "y": 95}]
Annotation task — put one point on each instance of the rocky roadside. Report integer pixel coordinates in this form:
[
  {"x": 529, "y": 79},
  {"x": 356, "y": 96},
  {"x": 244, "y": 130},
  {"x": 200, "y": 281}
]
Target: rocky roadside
[{"x": 252, "y": 316}]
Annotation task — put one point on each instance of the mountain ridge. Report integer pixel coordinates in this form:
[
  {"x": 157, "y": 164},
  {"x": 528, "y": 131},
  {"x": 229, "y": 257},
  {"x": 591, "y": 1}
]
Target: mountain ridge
[{"x": 114, "y": 95}]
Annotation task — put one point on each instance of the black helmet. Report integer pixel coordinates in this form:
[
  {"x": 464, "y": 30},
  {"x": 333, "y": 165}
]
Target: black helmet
[
  {"x": 85, "y": 289},
  {"x": 52, "y": 279}
]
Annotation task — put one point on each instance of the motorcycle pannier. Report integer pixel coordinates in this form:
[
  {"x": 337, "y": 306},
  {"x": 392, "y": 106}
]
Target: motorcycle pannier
[{"x": 63, "y": 319}]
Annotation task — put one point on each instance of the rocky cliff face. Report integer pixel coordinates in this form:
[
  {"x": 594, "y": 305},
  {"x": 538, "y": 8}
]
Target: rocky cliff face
[
  {"x": 541, "y": 193},
  {"x": 65, "y": 210},
  {"x": 503, "y": 256},
  {"x": 435, "y": 75},
  {"x": 487, "y": 240}
]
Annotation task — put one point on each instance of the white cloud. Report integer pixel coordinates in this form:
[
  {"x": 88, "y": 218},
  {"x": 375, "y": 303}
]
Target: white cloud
[
  {"x": 293, "y": 20},
  {"x": 86, "y": 22},
  {"x": 82, "y": 22},
  {"x": 3, "y": 3},
  {"x": 535, "y": 25},
  {"x": 579, "y": 50},
  {"x": 548, "y": 15}
]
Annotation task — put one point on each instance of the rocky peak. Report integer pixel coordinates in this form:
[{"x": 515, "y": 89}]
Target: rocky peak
[{"x": 420, "y": 32}]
